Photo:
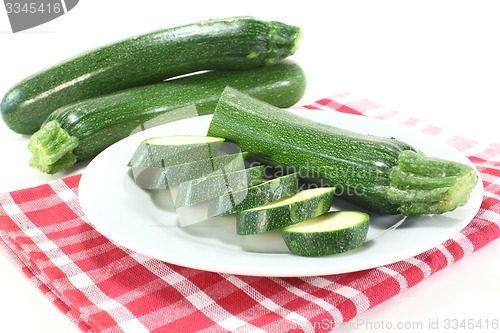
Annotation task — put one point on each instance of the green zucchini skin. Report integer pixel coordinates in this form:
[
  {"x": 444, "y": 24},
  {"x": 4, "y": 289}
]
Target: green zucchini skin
[
  {"x": 93, "y": 125},
  {"x": 328, "y": 242},
  {"x": 151, "y": 155},
  {"x": 202, "y": 189},
  {"x": 382, "y": 174},
  {"x": 284, "y": 212},
  {"x": 165, "y": 177},
  {"x": 231, "y": 44},
  {"x": 254, "y": 196}
]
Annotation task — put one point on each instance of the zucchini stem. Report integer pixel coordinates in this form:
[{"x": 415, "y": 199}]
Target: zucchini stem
[
  {"x": 284, "y": 40},
  {"x": 52, "y": 148},
  {"x": 424, "y": 185}
]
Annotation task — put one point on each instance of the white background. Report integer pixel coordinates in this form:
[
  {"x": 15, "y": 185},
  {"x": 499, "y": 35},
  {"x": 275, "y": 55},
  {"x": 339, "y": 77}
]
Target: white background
[{"x": 437, "y": 61}]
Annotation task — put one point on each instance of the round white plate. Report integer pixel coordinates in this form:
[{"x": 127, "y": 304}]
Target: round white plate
[{"x": 144, "y": 222}]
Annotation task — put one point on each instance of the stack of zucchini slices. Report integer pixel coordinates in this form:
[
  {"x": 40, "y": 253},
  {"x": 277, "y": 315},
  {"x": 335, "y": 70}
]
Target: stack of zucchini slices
[{"x": 207, "y": 173}]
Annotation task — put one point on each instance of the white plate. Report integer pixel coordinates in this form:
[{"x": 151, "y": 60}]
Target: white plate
[{"x": 142, "y": 221}]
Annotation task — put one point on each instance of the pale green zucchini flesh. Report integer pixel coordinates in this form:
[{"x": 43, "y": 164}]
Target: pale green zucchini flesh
[
  {"x": 254, "y": 196},
  {"x": 160, "y": 152},
  {"x": 284, "y": 212},
  {"x": 331, "y": 233}
]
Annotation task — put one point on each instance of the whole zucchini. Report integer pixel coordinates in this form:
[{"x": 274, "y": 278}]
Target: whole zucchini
[
  {"x": 81, "y": 130},
  {"x": 382, "y": 174},
  {"x": 233, "y": 43}
]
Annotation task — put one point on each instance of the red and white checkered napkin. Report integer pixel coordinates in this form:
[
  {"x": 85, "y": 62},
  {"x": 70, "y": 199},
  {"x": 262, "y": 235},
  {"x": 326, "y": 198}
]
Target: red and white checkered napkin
[{"x": 105, "y": 288}]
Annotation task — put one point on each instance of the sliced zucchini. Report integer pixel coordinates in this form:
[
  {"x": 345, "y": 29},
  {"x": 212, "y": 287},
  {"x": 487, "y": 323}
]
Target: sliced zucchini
[
  {"x": 162, "y": 178},
  {"x": 201, "y": 189},
  {"x": 254, "y": 196},
  {"x": 165, "y": 151},
  {"x": 284, "y": 212},
  {"x": 331, "y": 233}
]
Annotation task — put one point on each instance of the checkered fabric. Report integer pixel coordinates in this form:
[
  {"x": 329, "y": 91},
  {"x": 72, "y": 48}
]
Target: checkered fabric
[{"x": 103, "y": 287}]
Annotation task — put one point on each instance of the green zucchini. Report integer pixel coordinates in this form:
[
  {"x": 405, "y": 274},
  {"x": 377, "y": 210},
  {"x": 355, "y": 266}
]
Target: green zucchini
[
  {"x": 284, "y": 212},
  {"x": 254, "y": 196},
  {"x": 327, "y": 234},
  {"x": 217, "y": 184},
  {"x": 165, "y": 151},
  {"x": 86, "y": 128},
  {"x": 232, "y": 43},
  {"x": 383, "y": 174},
  {"x": 171, "y": 175}
]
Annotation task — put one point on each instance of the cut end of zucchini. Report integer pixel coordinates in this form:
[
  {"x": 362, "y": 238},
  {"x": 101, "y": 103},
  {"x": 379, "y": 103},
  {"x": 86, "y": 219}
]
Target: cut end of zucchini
[
  {"x": 284, "y": 40},
  {"x": 284, "y": 212},
  {"x": 161, "y": 152},
  {"x": 175, "y": 174},
  {"x": 424, "y": 185},
  {"x": 303, "y": 195},
  {"x": 254, "y": 196},
  {"x": 52, "y": 148},
  {"x": 217, "y": 184},
  {"x": 298, "y": 41},
  {"x": 330, "y": 233},
  {"x": 332, "y": 221}
]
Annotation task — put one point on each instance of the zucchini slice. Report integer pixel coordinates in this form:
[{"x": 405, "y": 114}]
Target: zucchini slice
[
  {"x": 330, "y": 233},
  {"x": 165, "y": 151},
  {"x": 254, "y": 196},
  {"x": 284, "y": 212},
  {"x": 201, "y": 189},
  {"x": 163, "y": 178}
]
